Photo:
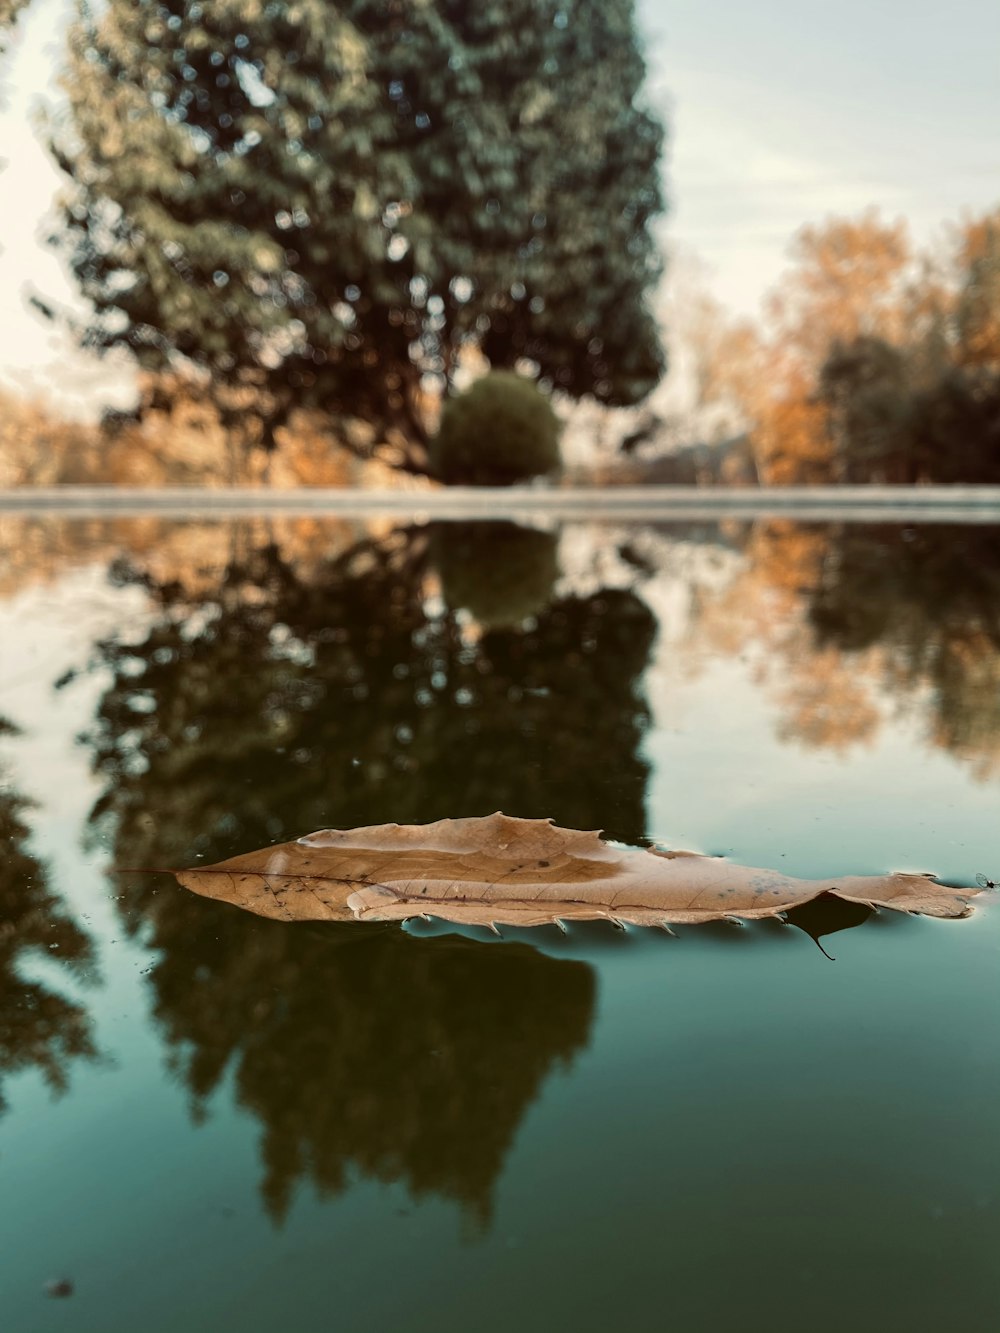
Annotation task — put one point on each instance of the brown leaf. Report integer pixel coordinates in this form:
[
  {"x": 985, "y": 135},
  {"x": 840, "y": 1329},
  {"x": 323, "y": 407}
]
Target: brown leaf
[{"x": 525, "y": 872}]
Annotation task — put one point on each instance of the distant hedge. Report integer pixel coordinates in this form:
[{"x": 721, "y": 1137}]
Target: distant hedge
[{"x": 500, "y": 431}]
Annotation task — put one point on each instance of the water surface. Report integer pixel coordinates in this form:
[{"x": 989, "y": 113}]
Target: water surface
[{"x": 211, "y": 1121}]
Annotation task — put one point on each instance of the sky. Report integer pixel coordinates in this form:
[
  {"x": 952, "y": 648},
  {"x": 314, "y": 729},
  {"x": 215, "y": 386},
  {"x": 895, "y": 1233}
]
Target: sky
[
  {"x": 780, "y": 113},
  {"x": 783, "y": 112}
]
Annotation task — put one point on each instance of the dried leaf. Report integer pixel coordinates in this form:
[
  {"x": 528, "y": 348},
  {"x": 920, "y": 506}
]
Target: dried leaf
[{"x": 525, "y": 872}]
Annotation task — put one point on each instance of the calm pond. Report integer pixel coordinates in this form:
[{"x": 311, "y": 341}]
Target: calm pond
[{"x": 209, "y": 1121}]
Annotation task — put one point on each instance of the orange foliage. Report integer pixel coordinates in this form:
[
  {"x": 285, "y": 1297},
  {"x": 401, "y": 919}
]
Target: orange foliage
[
  {"x": 178, "y": 437},
  {"x": 978, "y": 261},
  {"x": 792, "y": 443},
  {"x": 851, "y": 280},
  {"x": 192, "y": 556}
]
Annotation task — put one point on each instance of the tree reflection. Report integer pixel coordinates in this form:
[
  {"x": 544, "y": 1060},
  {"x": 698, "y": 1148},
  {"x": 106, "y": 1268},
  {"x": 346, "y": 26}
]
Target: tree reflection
[
  {"x": 39, "y": 1027},
  {"x": 367, "y": 1052},
  {"x": 857, "y": 617},
  {"x": 929, "y": 598},
  {"x": 278, "y": 704}
]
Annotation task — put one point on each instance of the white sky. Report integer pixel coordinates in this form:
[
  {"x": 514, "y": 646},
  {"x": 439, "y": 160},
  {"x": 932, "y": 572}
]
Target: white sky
[
  {"x": 781, "y": 112},
  {"x": 785, "y": 111}
]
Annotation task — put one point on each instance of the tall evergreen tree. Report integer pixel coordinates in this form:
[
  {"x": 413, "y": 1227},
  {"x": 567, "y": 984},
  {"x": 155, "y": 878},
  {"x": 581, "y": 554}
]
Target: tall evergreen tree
[{"x": 327, "y": 201}]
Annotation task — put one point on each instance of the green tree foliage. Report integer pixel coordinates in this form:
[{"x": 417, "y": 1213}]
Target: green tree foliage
[
  {"x": 977, "y": 316},
  {"x": 884, "y": 427},
  {"x": 865, "y": 388},
  {"x": 324, "y": 202},
  {"x": 39, "y": 1027},
  {"x": 501, "y": 430}
]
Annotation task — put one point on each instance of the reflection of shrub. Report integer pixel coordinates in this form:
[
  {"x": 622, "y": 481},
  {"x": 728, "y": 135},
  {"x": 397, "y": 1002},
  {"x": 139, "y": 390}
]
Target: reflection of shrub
[
  {"x": 500, "y": 572},
  {"x": 501, "y": 430}
]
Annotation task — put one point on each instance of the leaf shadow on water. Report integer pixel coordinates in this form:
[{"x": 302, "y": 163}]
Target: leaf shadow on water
[{"x": 826, "y": 915}]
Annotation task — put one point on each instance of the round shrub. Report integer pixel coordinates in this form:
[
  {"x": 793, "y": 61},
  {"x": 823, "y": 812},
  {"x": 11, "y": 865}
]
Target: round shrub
[{"x": 501, "y": 430}]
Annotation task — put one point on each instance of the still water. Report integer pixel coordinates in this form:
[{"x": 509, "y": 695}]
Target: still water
[{"x": 209, "y": 1121}]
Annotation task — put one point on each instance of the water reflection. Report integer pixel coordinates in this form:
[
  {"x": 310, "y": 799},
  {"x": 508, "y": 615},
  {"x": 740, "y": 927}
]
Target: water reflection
[
  {"x": 40, "y": 1028},
  {"x": 857, "y": 621},
  {"x": 285, "y": 680},
  {"x": 274, "y": 702},
  {"x": 928, "y": 603},
  {"x": 277, "y": 703},
  {"x": 500, "y": 572},
  {"x": 366, "y": 1053}
]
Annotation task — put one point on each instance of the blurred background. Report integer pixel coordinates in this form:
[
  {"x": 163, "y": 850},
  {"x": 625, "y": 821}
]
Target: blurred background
[{"x": 279, "y": 244}]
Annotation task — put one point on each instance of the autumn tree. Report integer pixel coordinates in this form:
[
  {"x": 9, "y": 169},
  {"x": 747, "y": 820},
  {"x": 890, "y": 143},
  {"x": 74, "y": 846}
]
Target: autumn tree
[
  {"x": 845, "y": 281},
  {"x": 977, "y": 315},
  {"x": 323, "y": 204},
  {"x": 874, "y": 363}
]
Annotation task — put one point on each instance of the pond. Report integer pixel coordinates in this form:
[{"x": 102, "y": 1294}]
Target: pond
[{"x": 210, "y": 1121}]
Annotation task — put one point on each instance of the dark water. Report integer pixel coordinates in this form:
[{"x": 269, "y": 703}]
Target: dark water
[{"x": 209, "y": 1121}]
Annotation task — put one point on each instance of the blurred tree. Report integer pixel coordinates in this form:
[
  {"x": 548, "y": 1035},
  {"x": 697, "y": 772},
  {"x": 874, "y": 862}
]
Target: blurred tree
[
  {"x": 865, "y": 389},
  {"x": 322, "y": 204},
  {"x": 875, "y": 364},
  {"x": 978, "y": 311},
  {"x": 790, "y": 441},
  {"x": 955, "y": 428},
  {"x": 847, "y": 279},
  {"x": 9, "y": 10},
  {"x": 39, "y": 1028}
]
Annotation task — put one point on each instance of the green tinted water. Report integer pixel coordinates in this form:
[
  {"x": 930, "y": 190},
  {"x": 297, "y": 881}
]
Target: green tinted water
[{"x": 267, "y": 1127}]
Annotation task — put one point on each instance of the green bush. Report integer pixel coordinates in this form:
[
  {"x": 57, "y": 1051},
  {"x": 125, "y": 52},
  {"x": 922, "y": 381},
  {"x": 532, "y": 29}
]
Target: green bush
[{"x": 501, "y": 430}]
